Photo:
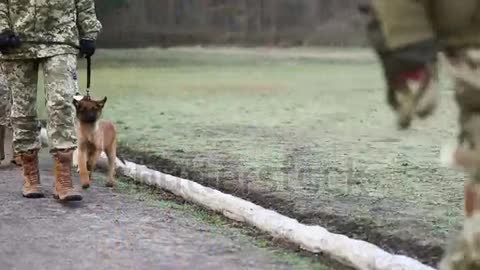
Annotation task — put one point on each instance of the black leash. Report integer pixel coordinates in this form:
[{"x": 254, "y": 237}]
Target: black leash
[{"x": 89, "y": 75}]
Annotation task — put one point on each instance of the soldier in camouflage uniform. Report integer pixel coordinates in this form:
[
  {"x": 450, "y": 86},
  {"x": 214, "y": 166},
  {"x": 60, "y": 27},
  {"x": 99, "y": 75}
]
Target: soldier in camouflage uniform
[
  {"x": 408, "y": 36},
  {"x": 45, "y": 34}
]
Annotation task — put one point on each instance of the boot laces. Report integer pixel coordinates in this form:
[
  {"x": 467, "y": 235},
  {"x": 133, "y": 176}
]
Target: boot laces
[{"x": 30, "y": 168}]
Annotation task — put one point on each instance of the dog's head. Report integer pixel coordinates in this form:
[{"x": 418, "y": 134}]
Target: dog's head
[{"x": 89, "y": 110}]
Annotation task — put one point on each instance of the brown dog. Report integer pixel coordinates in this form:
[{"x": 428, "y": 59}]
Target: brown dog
[{"x": 94, "y": 137}]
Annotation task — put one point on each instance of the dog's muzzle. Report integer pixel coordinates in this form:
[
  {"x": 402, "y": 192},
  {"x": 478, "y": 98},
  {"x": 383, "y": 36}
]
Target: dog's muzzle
[{"x": 89, "y": 117}]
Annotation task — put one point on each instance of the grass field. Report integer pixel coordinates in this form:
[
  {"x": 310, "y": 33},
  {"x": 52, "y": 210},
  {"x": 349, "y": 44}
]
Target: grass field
[{"x": 309, "y": 136}]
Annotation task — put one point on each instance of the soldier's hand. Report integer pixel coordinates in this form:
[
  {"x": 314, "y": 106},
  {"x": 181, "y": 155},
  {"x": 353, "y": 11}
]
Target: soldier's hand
[
  {"x": 413, "y": 93},
  {"x": 410, "y": 72},
  {"x": 87, "y": 47},
  {"x": 8, "y": 40}
]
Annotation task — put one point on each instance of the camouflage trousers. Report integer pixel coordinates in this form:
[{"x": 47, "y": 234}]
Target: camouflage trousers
[
  {"x": 5, "y": 99},
  {"x": 465, "y": 69},
  {"x": 60, "y": 86},
  {"x": 463, "y": 253}
]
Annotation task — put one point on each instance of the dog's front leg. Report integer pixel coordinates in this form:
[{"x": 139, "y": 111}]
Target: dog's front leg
[
  {"x": 112, "y": 158},
  {"x": 82, "y": 166},
  {"x": 92, "y": 162}
]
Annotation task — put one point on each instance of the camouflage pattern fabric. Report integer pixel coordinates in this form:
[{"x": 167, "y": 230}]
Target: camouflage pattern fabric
[
  {"x": 60, "y": 87},
  {"x": 463, "y": 251},
  {"x": 65, "y": 21},
  {"x": 452, "y": 23},
  {"x": 5, "y": 99},
  {"x": 465, "y": 69}
]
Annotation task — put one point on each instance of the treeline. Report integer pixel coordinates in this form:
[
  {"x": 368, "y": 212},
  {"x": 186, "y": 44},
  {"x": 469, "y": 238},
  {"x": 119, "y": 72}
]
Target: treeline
[{"x": 138, "y": 23}]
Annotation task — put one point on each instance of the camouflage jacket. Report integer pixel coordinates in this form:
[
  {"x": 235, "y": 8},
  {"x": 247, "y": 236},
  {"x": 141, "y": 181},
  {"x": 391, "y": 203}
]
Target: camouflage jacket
[
  {"x": 455, "y": 23},
  {"x": 49, "y": 21}
]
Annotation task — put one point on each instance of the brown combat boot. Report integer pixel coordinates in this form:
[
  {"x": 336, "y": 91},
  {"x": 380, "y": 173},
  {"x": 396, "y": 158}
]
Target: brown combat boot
[
  {"x": 63, "y": 189},
  {"x": 31, "y": 175}
]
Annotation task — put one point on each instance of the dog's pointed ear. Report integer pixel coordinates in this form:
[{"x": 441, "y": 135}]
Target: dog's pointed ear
[
  {"x": 76, "y": 100},
  {"x": 102, "y": 102}
]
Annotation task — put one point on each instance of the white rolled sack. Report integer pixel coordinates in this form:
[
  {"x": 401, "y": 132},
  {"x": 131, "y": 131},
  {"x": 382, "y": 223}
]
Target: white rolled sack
[{"x": 355, "y": 253}]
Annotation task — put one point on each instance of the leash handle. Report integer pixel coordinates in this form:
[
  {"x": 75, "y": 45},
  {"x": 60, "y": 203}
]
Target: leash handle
[{"x": 89, "y": 74}]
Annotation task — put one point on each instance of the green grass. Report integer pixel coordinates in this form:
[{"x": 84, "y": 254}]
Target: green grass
[{"x": 314, "y": 132}]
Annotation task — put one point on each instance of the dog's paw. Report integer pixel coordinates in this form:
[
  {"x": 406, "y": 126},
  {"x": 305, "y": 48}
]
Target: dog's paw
[
  {"x": 110, "y": 184},
  {"x": 85, "y": 181}
]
